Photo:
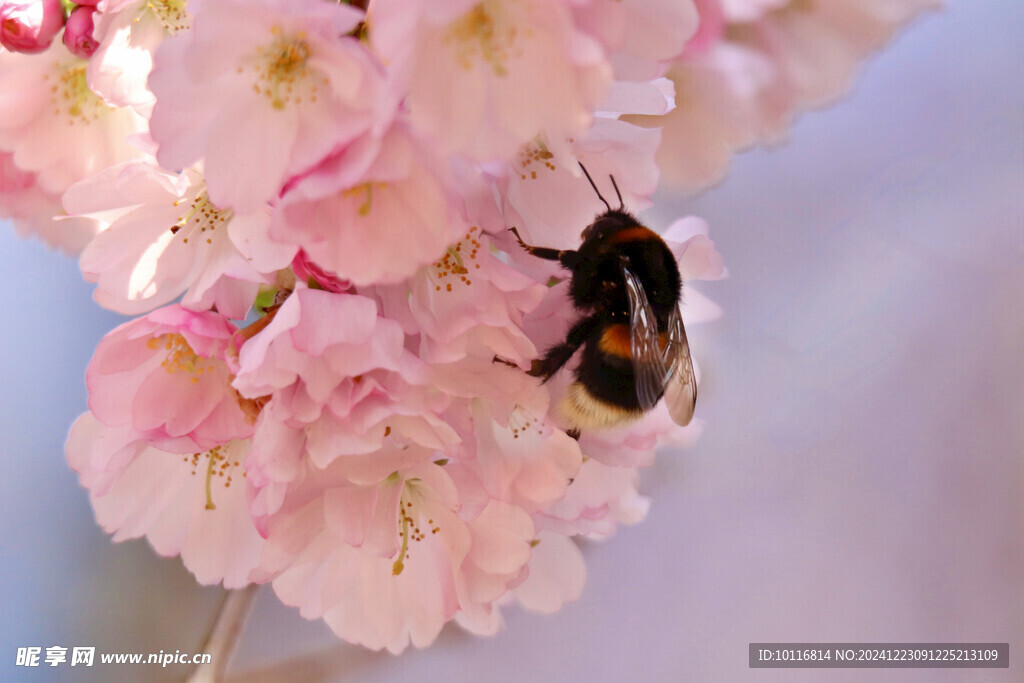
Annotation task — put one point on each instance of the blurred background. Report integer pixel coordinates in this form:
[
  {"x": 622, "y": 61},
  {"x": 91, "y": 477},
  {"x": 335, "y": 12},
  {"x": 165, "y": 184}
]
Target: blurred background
[{"x": 861, "y": 473}]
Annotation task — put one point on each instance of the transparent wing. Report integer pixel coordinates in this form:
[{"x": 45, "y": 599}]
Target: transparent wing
[
  {"x": 680, "y": 381},
  {"x": 648, "y": 363}
]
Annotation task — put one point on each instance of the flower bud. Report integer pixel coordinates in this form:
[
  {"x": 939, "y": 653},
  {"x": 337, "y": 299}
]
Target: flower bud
[
  {"x": 78, "y": 32},
  {"x": 306, "y": 270},
  {"x": 29, "y": 25}
]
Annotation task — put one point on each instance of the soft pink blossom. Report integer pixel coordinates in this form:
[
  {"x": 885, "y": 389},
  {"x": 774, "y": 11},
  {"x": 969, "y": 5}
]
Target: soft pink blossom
[
  {"x": 341, "y": 381},
  {"x": 522, "y": 457},
  {"x": 468, "y": 302},
  {"x": 817, "y": 47},
  {"x": 164, "y": 376},
  {"x": 186, "y": 502},
  {"x": 720, "y": 108},
  {"x": 352, "y": 212},
  {"x": 387, "y": 563},
  {"x": 129, "y": 32},
  {"x": 485, "y": 78},
  {"x": 163, "y": 237},
  {"x": 777, "y": 59},
  {"x": 263, "y": 90},
  {"x": 549, "y": 200},
  {"x": 54, "y": 125},
  {"x": 29, "y": 26},
  {"x": 600, "y": 499}
]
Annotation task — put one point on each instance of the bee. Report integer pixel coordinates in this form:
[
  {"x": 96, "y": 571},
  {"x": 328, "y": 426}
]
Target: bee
[{"x": 625, "y": 284}]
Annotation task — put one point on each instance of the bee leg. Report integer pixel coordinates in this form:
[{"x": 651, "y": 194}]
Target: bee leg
[
  {"x": 505, "y": 361},
  {"x": 558, "y": 355},
  {"x": 566, "y": 257}
]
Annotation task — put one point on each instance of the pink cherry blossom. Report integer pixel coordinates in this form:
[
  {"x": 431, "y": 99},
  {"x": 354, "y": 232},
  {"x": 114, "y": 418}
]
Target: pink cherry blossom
[
  {"x": 520, "y": 69},
  {"x": 186, "y": 502},
  {"x": 778, "y": 59},
  {"x": 336, "y": 393},
  {"x": 600, "y": 499},
  {"x": 720, "y": 109},
  {"x": 469, "y": 302},
  {"x": 163, "y": 237},
  {"x": 262, "y": 90},
  {"x": 164, "y": 376},
  {"x": 817, "y": 47},
  {"x": 129, "y": 32},
  {"x": 29, "y": 26},
  {"x": 550, "y": 201},
  {"x": 56, "y": 127},
  {"x": 387, "y": 563},
  {"x": 351, "y": 212},
  {"x": 523, "y": 458}
]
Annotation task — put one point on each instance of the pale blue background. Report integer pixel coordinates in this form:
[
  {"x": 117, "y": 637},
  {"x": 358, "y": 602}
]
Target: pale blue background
[{"x": 862, "y": 471}]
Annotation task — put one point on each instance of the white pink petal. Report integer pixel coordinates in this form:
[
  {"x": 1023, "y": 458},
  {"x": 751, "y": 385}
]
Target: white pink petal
[
  {"x": 190, "y": 504},
  {"x": 262, "y": 91}
]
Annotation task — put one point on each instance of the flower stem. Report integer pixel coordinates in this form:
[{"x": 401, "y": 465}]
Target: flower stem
[{"x": 224, "y": 635}]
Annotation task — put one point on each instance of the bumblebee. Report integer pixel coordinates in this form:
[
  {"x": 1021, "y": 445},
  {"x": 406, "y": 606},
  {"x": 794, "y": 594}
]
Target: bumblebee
[{"x": 626, "y": 286}]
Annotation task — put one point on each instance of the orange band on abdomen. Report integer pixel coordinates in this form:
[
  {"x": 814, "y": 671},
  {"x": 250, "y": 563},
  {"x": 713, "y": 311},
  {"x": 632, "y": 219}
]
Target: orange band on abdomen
[{"x": 615, "y": 341}]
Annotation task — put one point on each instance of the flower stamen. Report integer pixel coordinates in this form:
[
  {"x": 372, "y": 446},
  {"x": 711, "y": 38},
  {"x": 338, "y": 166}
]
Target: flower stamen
[
  {"x": 409, "y": 529},
  {"x": 482, "y": 33},
  {"x": 202, "y": 217},
  {"x": 531, "y": 153},
  {"x": 72, "y": 96},
  {"x": 212, "y": 454},
  {"x": 456, "y": 262},
  {"x": 181, "y": 357},
  {"x": 217, "y": 465},
  {"x": 283, "y": 71},
  {"x": 170, "y": 13}
]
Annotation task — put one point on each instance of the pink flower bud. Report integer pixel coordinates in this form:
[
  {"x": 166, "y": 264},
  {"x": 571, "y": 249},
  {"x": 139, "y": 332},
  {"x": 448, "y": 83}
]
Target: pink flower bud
[
  {"x": 306, "y": 270},
  {"x": 29, "y": 25},
  {"x": 78, "y": 32}
]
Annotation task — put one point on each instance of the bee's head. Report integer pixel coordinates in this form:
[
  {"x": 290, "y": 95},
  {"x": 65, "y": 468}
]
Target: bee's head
[{"x": 607, "y": 224}]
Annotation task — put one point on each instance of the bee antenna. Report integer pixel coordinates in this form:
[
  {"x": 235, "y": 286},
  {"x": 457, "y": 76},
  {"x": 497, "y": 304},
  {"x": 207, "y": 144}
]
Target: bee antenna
[
  {"x": 603, "y": 200},
  {"x": 618, "y": 194}
]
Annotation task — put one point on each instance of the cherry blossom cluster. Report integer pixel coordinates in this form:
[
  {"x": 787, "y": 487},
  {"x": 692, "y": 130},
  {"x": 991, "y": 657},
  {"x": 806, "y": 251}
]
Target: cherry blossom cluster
[{"x": 306, "y": 205}]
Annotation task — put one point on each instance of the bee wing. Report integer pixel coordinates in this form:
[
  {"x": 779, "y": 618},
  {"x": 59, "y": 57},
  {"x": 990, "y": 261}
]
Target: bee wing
[
  {"x": 648, "y": 363},
  {"x": 681, "y": 382}
]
